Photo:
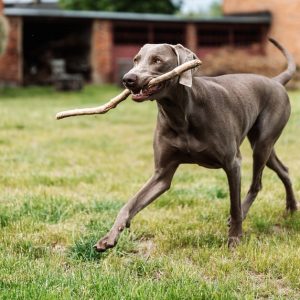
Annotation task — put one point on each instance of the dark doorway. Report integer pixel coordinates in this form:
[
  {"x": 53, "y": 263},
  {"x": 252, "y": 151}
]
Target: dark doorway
[{"x": 45, "y": 40}]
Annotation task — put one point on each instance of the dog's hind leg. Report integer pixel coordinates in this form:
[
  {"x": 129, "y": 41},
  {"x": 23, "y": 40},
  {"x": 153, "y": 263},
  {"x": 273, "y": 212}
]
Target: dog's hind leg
[
  {"x": 262, "y": 137},
  {"x": 261, "y": 154},
  {"x": 282, "y": 171}
]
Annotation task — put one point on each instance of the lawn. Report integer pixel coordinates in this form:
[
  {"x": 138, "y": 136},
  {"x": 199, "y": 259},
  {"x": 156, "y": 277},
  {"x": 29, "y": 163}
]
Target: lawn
[{"x": 63, "y": 182}]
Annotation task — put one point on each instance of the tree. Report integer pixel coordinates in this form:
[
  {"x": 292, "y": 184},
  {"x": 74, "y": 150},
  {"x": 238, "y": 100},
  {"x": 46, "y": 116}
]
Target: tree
[
  {"x": 141, "y": 6},
  {"x": 215, "y": 9}
]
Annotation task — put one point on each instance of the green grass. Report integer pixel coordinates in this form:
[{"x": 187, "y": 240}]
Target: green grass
[{"x": 63, "y": 182}]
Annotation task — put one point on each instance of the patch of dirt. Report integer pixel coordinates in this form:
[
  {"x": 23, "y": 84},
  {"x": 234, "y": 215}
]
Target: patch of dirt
[
  {"x": 146, "y": 248},
  {"x": 158, "y": 275},
  {"x": 57, "y": 248},
  {"x": 277, "y": 228},
  {"x": 265, "y": 282}
]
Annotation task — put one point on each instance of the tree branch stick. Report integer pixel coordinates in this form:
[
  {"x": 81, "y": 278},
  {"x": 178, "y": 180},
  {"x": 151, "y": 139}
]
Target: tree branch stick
[
  {"x": 121, "y": 97},
  {"x": 95, "y": 110},
  {"x": 175, "y": 72}
]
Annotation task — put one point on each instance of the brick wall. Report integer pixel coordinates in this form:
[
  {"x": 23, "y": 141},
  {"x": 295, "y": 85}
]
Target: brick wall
[
  {"x": 102, "y": 52},
  {"x": 191, "y": 37},
  {"x": 286, "y": 20},
  {"x": 11, "y": 60}
]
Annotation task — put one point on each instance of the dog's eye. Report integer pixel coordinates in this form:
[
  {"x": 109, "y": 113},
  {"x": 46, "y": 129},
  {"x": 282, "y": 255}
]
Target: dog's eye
[
  {"x": 136, "y": 60},
  {"x": 156, "y": 60}
]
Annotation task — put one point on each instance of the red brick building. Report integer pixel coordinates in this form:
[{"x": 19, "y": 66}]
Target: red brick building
[
  {"x": 100, "y": 45},
  {"x": 285, "y": 20}
]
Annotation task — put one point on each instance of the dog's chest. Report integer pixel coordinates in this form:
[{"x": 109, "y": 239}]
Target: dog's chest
[
  {"x": 192, "y": 140},
  {"x": 194, "y": 150},
  {"x": 186, "y": 139},
  {"x": 183, "y": 130}
]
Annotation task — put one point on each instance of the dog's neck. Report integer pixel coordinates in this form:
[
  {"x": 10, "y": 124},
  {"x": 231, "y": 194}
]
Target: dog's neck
[{"x": 173, "y": 109}]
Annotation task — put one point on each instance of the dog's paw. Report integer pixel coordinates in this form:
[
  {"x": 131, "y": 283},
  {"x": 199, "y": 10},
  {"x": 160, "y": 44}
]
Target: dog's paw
[
  {"x": 292, "y": 207},
  {"x": 105, "y": 243},
  {"x": 111, "y": 239},
  {"x": 233, "y": 242}
]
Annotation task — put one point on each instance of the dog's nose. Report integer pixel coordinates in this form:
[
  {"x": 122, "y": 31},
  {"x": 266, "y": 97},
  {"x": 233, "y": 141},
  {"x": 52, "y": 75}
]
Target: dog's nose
[{"x": 130, "y": 80}]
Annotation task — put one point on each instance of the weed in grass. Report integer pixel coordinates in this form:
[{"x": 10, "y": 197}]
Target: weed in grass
[
  {"x": 83, "y": 247},
  {"x": 5, "y": 216},
  {"x": 108, "y": 205},
  {"x": 261, "y": 224},
  {"x": 29, "y": 249},
  {"x": 292, "y": 222},
  {"x": 47, "y": 209}
]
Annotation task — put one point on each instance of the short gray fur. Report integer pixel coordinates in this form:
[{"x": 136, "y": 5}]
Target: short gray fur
[{"x": 205, "y": 124}]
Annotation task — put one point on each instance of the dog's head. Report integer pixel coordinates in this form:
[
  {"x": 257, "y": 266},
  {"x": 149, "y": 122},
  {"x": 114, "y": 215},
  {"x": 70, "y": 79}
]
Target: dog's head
[{"x": 154, "y": 60}]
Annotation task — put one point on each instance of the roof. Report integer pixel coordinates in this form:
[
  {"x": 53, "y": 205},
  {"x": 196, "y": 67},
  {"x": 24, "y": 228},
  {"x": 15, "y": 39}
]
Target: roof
[
  {"x": 59, "y": 13},
  {"x": 42, "y": 5}
]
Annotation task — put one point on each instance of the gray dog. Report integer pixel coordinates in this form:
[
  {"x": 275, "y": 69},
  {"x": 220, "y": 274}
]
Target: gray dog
[{"x": 204, "y": 120}]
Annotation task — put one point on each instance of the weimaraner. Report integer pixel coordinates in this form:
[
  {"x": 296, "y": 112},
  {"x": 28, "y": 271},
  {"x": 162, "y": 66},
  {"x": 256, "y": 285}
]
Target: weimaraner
[{"x": 204, "y": 120}]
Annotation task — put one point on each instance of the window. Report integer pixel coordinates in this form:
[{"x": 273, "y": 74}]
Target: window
[
  {"x": 229, "y": 35},
  {"x": 125, "y": 34},
  {"x": 169, "y": 34},
  {"x": 213, "y": 37},
  {"x": 246, "y": 36},
  {"x": 142, "y": 33}
]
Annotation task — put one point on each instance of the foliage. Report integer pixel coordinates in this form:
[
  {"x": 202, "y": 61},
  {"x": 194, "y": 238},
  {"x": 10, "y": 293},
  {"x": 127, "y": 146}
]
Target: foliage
[
  {"x": 62, "y": 184},
  {"x": 149, "y": 6},
  {"x": 214, "y": 10}
]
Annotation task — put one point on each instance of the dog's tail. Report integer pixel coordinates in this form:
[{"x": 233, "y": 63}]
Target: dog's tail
[{"x": 285, "y": 76}]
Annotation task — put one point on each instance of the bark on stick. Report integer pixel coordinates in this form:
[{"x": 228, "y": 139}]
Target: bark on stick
[{"x": 121, "y": 97}]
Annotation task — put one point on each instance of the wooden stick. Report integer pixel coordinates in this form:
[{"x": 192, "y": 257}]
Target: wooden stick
[
  {"x": 175, "y": 72},
  {"x": 95, "y": 110},
  {"x": 121, "y": 97}
]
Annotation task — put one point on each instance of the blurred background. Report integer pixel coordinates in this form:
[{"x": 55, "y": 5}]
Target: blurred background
[
  {"x": 62, "y": 183},
  {"x": 72, "y": 42}
]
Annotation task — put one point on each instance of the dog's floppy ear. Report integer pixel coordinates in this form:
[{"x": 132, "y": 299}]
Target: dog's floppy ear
[{"x": 183, "y": 55}]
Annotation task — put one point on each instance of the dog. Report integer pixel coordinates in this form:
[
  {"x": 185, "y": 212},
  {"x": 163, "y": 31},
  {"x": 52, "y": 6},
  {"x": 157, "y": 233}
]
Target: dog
[{"x": 203, "y": 120}]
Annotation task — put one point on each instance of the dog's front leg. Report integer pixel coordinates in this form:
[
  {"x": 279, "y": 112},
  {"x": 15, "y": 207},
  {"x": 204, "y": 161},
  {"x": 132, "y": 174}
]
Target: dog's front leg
[
  {"x": 233, "y": 172},
  {"x": 158, "y": 184}
]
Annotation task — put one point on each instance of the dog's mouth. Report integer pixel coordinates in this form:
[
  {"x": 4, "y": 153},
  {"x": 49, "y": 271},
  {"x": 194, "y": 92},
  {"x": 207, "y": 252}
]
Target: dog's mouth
[{"x": 146, "y": 92}]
